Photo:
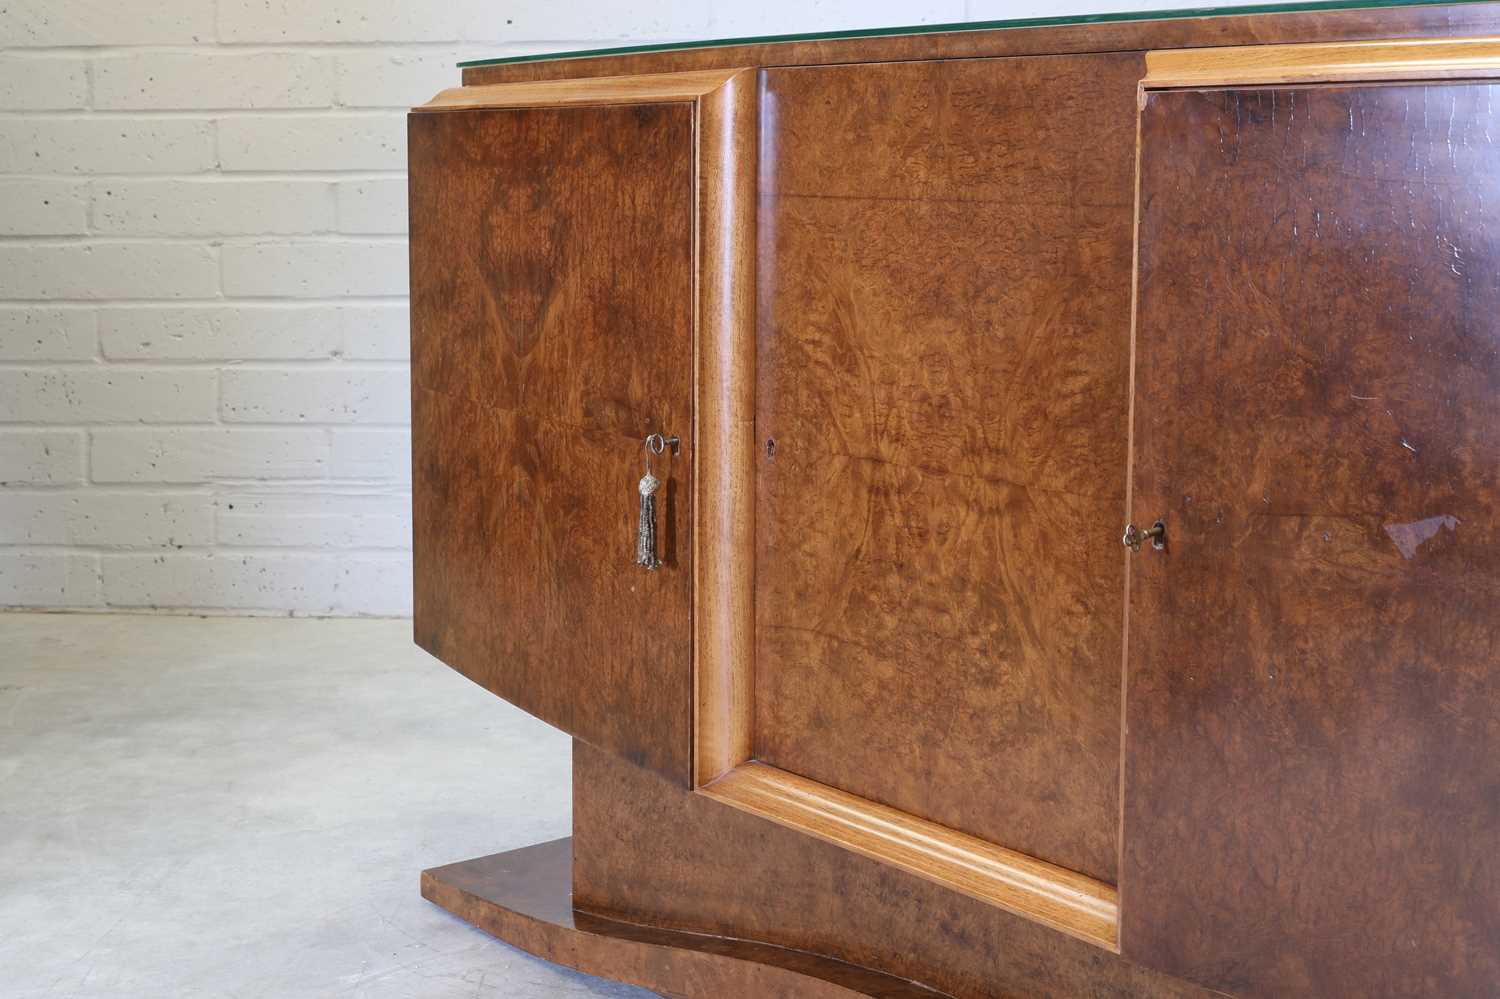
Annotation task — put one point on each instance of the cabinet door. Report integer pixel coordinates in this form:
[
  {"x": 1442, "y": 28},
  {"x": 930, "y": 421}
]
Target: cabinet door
[
  {"x": 1312, "y": 787},
  {"x": 551, "y": 332},
  {"x": 943, "y": 368}
]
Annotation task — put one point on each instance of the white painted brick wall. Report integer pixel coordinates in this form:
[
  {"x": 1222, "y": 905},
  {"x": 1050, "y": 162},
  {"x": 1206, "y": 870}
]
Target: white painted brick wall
[
  {"x": 43, "y": 84},
  {"x": 193, "y": 81},
  {"x": 77, "y": 270},
  {"x": 352, "y": 140},
  {"x": 321, "y": 395},
  {"x": 100, "y": 144},
  {"x": 41, "y": 457},
  {"x": 371, "y": 455},
  {"x": 107, "y": 394},
  {"x": 38, "y": 333},
  {"x": 211, "y": 207},
  {"x": 43, "y": 207},
  {"x": 105, "y": 517},
  {"x": 315, "y": 269},
  {"x": 203, "y": 330},
  {"x": 373, "y": 206},
  {"x": 208, "y": 455}
]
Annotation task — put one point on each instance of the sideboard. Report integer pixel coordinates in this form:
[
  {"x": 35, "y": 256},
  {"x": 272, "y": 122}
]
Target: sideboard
[{"x": 1003, "y": 511}]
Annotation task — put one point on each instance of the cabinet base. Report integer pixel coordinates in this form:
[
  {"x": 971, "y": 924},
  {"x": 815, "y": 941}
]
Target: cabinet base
[{"x": 525, "y": 898}]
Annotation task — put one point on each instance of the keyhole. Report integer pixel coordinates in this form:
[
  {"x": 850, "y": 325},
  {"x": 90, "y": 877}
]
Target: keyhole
[{"x": 770, "y": 448}]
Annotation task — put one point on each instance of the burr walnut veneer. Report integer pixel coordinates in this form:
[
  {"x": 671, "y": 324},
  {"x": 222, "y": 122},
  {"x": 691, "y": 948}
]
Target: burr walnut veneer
[{"x": 935, "y": 319}]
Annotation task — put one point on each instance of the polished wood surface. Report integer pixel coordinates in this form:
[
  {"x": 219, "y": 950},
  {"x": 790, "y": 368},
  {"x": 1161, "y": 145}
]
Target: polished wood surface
[
  {"x": 552, "y": 297},
  {"x": 524, "y": 897},
  {"x": 724, "y": 376},
  {"x": 965, "y": 42},
  {"x": 933, "y": 323},
  {"x": 650, "y": 89},
  {"x": 1312, "y": 793},
  {"x": 552, "y": 271},
  {"x": 1395, "y": 59},
  {"x": 942, "y": 380},
  {"x": 1066, "y": 901},
  {"x": 649, "y": 853}
]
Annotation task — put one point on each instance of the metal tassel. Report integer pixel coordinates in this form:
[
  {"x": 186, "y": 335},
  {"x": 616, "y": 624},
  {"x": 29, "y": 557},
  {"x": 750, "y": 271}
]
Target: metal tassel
[{"x": 645, "y": 536}]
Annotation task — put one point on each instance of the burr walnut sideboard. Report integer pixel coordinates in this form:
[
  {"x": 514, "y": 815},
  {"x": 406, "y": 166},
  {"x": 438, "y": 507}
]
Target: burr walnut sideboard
[{"x": 780, "y": 409}]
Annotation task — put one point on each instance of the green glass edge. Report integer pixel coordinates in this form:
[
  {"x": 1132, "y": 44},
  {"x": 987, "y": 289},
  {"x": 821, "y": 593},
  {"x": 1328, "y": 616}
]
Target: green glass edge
[{"x": 1020, "y": 22}]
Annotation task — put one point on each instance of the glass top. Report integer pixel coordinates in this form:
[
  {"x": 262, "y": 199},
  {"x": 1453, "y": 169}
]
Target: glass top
[{"x": 1023, "y": 22}]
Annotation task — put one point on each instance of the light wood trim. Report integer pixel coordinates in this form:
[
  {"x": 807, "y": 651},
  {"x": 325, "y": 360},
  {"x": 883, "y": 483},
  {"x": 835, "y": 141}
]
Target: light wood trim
[
  {"x": 1064, "y": 900},
  {"x": 724, "y": 441},
  {"x": 1335, "y": 62},
  {"x": 1127, "y": 516},
  {"x": 653, "y": 89}
]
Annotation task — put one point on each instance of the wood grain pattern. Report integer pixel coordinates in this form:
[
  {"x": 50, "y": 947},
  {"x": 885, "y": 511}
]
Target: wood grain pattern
[
  {"x": 649, "y": 853},
  {"x": 1069, "y": 903},
  {"x": 1312, "y": 801},
  {"x": 524, "y": 897},
  {"x": 965, "y": 42},
  {"x": 724, "y": 591},
  {"x": 552, "y": 289},
  {"x": 942, "y": 366},
  {"x": 1394, "y": 59},
  {"x": 552, "y": 262},
  {"x": 649, "y": 89}
]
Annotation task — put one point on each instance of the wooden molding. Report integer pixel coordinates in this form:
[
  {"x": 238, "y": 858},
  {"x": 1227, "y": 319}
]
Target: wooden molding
[
  {"x": 1336, "y": 62},
  {"x": 1063, "y": 900},
  {"x": 724, "y": 445},
  {"x": 657, "y": 88}
]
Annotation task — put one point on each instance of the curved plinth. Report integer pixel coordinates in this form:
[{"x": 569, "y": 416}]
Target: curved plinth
[{"x": 524, "y": 897}]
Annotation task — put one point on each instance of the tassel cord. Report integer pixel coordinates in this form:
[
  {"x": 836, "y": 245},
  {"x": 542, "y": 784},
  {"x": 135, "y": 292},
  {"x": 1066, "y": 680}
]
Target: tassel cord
[{"x": 645, "y": 538}]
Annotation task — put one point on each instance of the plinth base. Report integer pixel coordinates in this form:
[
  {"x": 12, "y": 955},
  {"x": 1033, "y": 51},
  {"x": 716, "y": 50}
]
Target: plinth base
[{"x": 525, "y": 897}]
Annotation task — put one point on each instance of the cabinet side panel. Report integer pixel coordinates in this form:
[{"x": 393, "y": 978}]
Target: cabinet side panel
[
  {"x": 551, "y": 320},
  {"x": 942, "y": 366},
  {"x": 1312, "y": 792}
]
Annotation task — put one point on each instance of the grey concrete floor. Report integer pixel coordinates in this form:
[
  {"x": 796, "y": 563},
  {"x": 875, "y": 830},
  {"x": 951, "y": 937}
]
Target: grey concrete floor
[{"x": 240, "y": 808}]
